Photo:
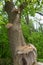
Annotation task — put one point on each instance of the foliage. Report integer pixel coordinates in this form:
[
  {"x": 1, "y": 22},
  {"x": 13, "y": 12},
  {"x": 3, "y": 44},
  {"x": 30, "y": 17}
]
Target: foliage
[
  {"x": 4, "y": 43},
  {"x": 32, "y": 6}
]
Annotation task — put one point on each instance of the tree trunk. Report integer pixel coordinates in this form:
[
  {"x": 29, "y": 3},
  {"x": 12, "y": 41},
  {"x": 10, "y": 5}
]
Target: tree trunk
[
  {"x": 16, "y": 38},
  {"x": 27, "y": 19},
  {"x": 14, "y": 33}
]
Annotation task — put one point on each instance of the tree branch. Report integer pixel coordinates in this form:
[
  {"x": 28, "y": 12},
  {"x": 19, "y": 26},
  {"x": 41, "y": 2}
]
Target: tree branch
[
  {"x": 23, "y": 5},
  {"x": 40, "y": 13}
]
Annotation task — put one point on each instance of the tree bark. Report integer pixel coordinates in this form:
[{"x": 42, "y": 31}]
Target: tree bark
[{"x": 14, "y": 33}]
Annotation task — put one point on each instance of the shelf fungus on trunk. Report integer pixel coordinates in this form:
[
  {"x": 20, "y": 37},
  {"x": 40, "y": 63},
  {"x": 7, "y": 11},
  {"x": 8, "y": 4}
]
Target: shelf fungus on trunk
[{"x": 26, "y": 55}]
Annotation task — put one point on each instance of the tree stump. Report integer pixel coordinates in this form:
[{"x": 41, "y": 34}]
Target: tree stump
[{"x": 26, "y": 55}]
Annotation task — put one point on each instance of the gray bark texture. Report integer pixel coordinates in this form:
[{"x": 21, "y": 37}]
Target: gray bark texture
[{"x": 22, "y": 54}]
